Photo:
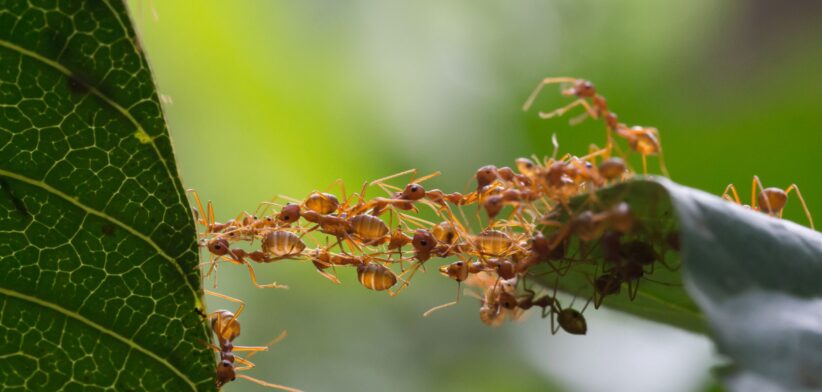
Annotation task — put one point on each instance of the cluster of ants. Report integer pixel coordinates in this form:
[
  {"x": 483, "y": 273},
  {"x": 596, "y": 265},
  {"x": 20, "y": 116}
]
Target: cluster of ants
[{"x": 525, "y": 221}]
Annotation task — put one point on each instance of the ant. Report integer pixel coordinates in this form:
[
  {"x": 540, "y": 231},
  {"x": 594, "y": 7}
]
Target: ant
[
  {"x": 627, "y": 262},
  {"x": 371, "y": 273},
  {"x": 769, "y": 200},
  {"x": 458, "y": 271},
  {"x": 644, "y": 140},
  {"x": 569, "y": 319},
  {"x": 226, "y": 327},
  {"x": 220, "y": 249}
]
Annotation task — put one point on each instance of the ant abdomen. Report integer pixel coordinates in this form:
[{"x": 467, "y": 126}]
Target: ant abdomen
[
  {"x": 376, "y": 277},
  {"x": 282, "y": 244}
]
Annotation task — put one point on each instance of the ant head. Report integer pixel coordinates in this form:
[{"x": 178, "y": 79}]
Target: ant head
[
  {"x": 290, "y": 213},
  {"x": 218, "y": 246},
  {"x": 486, "y": 175},
  {"x": 493, "y": 205},
  {"x": 772, "y": 200},
  {"x": 506, "y": 269},
  {"x": 607, "y": 284},
  {"x": 507, "y": 300},
  {"x": 639, "y": 252},
  {"x": 572, "y": 321},
  {"x": 525, "y": 166},
  {"x": 582, "y": 88},
  {"x": 413, "y": 192},
  {"x": 457, "y": 270},
  {"x": 423, "y": 241},
  {"x": 540, "y": 244},
  {"x": 225, "y": 373},
  {"x": 506, "y": 173}
]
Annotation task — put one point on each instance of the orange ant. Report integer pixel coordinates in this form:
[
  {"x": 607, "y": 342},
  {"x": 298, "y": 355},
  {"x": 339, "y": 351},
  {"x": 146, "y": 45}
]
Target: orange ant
[
  {"x": 580, "y": 88},
  {"x": 371, "y": 273},
  {"x": 400, "y": 198},
  {"x": 276, "y": 245},
  {"x": 492, "y": 313},
  {"x": 226, "y": 327},
  {"x": 644, "y": 140},
  {"x": 458, "y": 271},
  {"x": 769, "y": 200}
]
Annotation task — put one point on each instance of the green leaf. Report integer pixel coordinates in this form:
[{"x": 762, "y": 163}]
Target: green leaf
[
  {"x": 754, "y": 281},
  {"x": 99, "y": 285}
]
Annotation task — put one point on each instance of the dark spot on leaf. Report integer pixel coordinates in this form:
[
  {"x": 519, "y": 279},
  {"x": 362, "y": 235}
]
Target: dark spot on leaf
[
  {"x": 77, "y": 85},
  {"x": 15, "y": 201},
  {"x": 108, "y": 229}
]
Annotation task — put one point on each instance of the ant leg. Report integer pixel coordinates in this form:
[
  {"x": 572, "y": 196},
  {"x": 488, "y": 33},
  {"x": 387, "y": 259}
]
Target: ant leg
[
  {"x": 554, "y": 327},
  {"x": 334, "y": 279},
  {"x": 727, "y": 196},
  {"x": 212, "y": 346},
  {"x": 330, "y": 277},
  {"x": 201, "y": 213},
  {"x": 253, "y": 349},
  {"x": 418, "y": 221},
  {"x": 393, "y": 176},
  {"x": 633, "y": 289},
  {"x": 289, "y": 199},
  {"x": 261, "y": 286},
  {"x": 342, "y": 188},
  {"x": 579, "y": 119},
  {"x": 443, "y": 306},
  {"x": 662, "y": 167},
  {"x": 539, "y": 87},
  {"x": 561, "y": 111},
  {"x": 246, "y": 363},
  {"x": 413, "y": 269},
  {"x": 644, "y": 164},
  {"x": 347, "y": 199},
  {"x": 756, "y": 182},
  {"x": 793, "y": 187},
  {"x": 268, "y": 384},
  {"x": 425, "y": 178}
]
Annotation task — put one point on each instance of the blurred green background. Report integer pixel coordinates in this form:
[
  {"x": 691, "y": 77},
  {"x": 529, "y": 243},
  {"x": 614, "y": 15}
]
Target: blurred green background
[{"x": 276, "y": 97}]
